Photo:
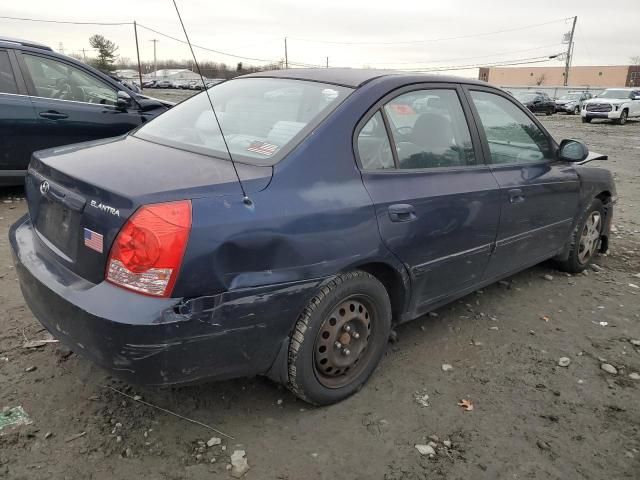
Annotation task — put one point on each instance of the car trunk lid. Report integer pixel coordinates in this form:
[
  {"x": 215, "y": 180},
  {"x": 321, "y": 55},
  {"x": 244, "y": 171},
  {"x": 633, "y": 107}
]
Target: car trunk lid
[{"x": 80, "y": 196}]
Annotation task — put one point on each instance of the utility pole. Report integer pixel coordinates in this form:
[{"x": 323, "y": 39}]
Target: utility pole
[
  {"x": 84, "y": 54},
  {"x": 327, "y": 62},
  {"x": 155, "y": 62},
  {"x": 286, "y": 56},
  {"x": 569, "y": 52},
  {"x": 61, "y": 48},
  {"x": 135, "y": 32}
]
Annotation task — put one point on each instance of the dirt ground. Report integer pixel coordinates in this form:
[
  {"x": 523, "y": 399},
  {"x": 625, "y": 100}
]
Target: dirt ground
[{"x": 532, "y": 419}]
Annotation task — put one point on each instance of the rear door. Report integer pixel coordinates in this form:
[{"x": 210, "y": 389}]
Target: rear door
[
  {"x": 436, "y": 202},
  {"x": 539, "y": 195},
  {"x": 17, "y": 119},
  {"x": 71, "y": 104}
]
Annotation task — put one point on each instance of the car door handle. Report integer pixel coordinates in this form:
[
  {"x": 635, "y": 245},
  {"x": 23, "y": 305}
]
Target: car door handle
[
  {"x": 53, "y": 115},
  {"x": 402, "y": 212},
  {"x": 516, "y": 196}
]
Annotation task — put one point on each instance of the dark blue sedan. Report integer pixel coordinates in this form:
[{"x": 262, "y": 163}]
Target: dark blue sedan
[{"x": 371, "y": 199}]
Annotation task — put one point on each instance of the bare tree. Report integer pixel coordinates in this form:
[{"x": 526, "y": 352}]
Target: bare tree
[
  {"x": 635, "y": 60},
  {"x": 541, "y": 78}
]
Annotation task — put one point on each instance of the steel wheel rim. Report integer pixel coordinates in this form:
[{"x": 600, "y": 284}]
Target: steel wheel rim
[
  {"x": 342, "y": 346},
  {"x": 590, "y": 237}
]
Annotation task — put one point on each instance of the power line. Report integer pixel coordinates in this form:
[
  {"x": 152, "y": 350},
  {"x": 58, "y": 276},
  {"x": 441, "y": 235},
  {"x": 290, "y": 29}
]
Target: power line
[
  {"x": 64, "y": 22},
  {"x": 465, "y": 58},
  {"x": 523, "y": 61},
  {"x": 219, "y": 52},
  {"x": 407, "y": 42}
]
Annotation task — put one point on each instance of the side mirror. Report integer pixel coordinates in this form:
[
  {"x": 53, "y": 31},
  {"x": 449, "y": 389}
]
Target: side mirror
[
  {"x": 572, "y": 151},
  {"x": 123, "y": 99}
]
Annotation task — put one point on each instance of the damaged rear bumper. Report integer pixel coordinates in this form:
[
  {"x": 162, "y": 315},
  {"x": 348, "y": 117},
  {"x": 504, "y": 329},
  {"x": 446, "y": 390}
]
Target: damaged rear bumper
[{"x": 157, "y": 341}]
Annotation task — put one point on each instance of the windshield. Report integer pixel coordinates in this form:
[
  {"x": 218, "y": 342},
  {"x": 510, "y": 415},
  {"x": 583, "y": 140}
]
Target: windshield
[
  {"x": 262, "y": 118},
  {"x": 527, "y": 97},
  {"x": 615, "y": 94},
  {"x": 571, "y": 96}
]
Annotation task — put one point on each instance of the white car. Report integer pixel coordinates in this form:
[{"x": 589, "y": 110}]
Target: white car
[{"x": 616, "y": 104}]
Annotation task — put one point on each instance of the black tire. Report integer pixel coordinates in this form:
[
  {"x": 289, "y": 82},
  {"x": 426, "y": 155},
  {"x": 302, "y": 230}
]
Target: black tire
[
  {"x": 623, "y": 117},
  {"x": 576, "y": 110},
  {"x": 576, "y": 262},
  {"x": 313, "y": 328},
  {"x": 549, "y": 112},
  {"x": 586, "y": 120}
]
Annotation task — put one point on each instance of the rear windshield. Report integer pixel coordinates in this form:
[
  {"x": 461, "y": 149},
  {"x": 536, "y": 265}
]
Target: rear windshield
[{"x": 261, "y": 118}]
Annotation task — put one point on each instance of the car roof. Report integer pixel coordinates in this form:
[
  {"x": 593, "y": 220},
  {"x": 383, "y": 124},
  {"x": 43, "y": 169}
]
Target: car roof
[
  {"x": 354, "y": 77},
  {"x": 25, "y": 43}
]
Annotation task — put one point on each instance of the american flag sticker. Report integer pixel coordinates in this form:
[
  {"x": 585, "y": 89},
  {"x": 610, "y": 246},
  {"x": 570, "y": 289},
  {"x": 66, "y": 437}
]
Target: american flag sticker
[
  {"x": 93, "y": 240},
  {"x": 263, "y": 148}
]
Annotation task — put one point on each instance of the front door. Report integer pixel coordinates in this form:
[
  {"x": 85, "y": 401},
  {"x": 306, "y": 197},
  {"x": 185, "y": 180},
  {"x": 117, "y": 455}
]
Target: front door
[
  {"x": 539, "y": 195},
  {"x": 436, "y": 202},
  {"x": 71, "y": 104}
]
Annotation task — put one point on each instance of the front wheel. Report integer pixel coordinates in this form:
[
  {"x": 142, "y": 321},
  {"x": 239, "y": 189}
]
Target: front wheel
[
  {"x": 586, "y": 120},
  {"x": 585, "y": 239},
  {"x": 339, "y": 338},
  {"x": 623, "y": 118},
  {"x": 576, "y": 111}
]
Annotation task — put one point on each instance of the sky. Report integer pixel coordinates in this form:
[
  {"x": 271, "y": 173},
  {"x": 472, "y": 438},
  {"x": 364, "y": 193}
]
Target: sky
[{"x": 412, "y": 34}]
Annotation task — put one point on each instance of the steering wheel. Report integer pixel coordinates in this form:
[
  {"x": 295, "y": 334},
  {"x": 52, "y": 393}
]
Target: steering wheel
[
  {"x": 63, "y": 91},
  {"x": 404, "y": 131}
]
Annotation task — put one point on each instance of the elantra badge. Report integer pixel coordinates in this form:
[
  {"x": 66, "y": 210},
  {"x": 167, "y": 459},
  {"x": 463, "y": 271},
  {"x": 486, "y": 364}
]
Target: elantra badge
[
  {"x": 105, "y": 208},
  {"x": 44, "y": 187}
]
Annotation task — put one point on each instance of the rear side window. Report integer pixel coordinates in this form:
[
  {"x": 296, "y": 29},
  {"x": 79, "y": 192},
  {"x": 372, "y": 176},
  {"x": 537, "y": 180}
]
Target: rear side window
[
  {"x": 374, "y": 148},
  {"x": 512, "y": 136},
  {"x": 7, "y": 80},
  {"x": 430, "y": 130},
  {"x": 59, "y": 80}
]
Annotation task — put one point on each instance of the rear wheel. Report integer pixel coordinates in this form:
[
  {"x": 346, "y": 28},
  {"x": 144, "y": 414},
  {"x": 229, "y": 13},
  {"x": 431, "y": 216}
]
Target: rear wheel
[
  {"x": 339, "y": 338},
  {"x": 585, "y": 239},
  {"x": 576, "y": 110},
  {"x": 586, "y": 120},
  {"x": 550, "y": 111}
]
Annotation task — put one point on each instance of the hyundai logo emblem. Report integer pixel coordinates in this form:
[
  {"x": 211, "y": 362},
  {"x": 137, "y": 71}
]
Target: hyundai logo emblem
[{"x": 44, "y": 187}]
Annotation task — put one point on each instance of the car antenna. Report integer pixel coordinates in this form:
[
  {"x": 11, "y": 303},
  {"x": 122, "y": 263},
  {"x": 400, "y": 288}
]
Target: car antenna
[{"x": 245, "y": 199}]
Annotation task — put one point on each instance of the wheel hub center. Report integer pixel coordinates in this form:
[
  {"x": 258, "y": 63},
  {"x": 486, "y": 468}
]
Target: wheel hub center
[{"x": 342, "y": 339}]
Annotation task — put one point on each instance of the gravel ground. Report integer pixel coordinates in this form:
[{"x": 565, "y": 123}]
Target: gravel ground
[{"x": 531, "y": 419}]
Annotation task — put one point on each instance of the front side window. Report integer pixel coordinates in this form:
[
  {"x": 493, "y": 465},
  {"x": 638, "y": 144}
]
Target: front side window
[
  {"x": 430, "y": 130},
  {"x": 261, "y": 118},
  {"x": 59, "y": 80},
  {"x": 374, "y": 149},
  {"x": 512, "y": 136},
  {"x": 7, "y": 80}
]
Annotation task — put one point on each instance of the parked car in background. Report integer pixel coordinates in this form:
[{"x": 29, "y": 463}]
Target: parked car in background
[
  {"x": 163, "y": 84},
  {"x": 360, "y": 213},
  {"x": 615, "y": 104},
  {"x": 149, "y": 83},
  {"x": 571, "y": 102},
  {"x": 537, "y": 102},
  {"x": 48, "y": 99}
]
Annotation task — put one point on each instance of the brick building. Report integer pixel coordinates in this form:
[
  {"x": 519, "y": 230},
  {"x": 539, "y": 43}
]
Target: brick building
[{"x": 588, "y": 76}]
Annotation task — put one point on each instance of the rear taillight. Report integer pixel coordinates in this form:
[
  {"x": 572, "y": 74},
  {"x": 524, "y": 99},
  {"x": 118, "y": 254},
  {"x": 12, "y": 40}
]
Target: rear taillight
[{"x": 147, "y": 253}]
